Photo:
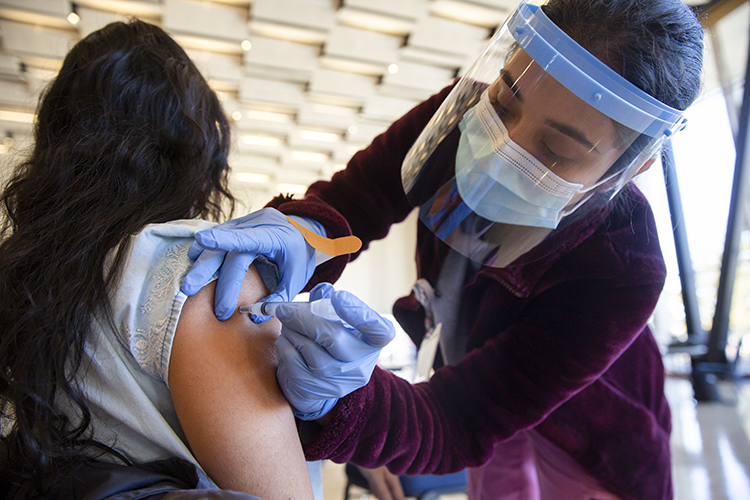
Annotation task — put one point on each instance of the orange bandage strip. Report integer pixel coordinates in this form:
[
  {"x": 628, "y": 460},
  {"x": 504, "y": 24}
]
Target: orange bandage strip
[{"x": 329, "y": 246}]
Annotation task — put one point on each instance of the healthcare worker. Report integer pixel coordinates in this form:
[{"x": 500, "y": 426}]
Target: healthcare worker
[{"x": 538, "y": 259}]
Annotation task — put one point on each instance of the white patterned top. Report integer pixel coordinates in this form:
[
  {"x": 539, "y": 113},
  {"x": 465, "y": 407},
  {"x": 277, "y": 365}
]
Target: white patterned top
[{"x": 126, "y": 369}]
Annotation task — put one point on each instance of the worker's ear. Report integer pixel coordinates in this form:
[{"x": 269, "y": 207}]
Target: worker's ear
[{"x": 646, "y": 165}]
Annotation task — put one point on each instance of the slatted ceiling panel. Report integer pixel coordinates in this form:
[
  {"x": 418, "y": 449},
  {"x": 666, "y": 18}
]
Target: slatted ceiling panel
[
  {"x": 288, "y": 95},
  {"x": 342, "y": 88},
  {"x": 328, "y": 116},
  {"x": 307, "y": 14},
  {"x": 224, "y": 68},
  {"x": 418, "y": 76},
  {"x": 313, "y": 68},
  {"x": 266, "y": 144},
  {"x": 506, "y": 5},
  {"x": 373, "y": 21},
  {"x": 470, "y": 13},
  {"x": 362, "y": 45},
  {"x": 36, "y": 41},
  {"x": 387, "y": 109},
  {"x": 205, "y": 19},
  {"x": 249, "y": 124},
  {"x": 344, "y": 152},
  {"x": 140, "y": 8},
  {"x": 431, "y": 57},
  {"x": 53, "y": 13},
  {"x": 288, "y": 60},
  {"x": 314, "y": 140},
  {"x": 405, "y": 9},
  {"x": 55, "y": 8},
  {"x": 94, "y": 19},
  {"x": 252, "y": 163},
  {"x": 21, "y": 131},
  {"x": 290, "y": 175},
  {"x": 363, "y": 133},
  {"x": 17, "y": 96},
  {"x": 451, "y": 37},
  {"x": 37, "y": 79},
  {"x": 10, "y": 67}
]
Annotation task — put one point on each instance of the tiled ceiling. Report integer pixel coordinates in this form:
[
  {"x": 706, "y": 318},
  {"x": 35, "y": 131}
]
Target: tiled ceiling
[{"x": 307, "y": 83}]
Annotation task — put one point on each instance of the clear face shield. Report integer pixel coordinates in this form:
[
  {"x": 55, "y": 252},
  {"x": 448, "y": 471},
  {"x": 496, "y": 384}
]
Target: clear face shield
[{"x": 538, "y": 126}]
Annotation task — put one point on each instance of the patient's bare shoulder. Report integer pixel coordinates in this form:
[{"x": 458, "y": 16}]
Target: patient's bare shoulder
[{"x": 222, "y": 376}]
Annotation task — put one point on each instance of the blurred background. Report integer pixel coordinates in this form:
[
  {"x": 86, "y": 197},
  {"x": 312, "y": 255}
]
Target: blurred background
[{"x": 307, "y": 83}]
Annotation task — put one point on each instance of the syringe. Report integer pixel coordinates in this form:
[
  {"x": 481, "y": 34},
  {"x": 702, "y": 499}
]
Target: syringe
[{"x": 321, "y": 308}]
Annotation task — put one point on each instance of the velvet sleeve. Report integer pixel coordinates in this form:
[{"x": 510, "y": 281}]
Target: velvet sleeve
[
  {"x": 367, "y": 197},
  {"x": 590, "y": 306}
]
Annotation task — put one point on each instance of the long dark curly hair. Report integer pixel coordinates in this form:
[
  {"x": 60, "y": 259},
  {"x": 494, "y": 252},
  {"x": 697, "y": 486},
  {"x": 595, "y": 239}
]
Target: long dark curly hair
[{"x": 128, "y": 133}]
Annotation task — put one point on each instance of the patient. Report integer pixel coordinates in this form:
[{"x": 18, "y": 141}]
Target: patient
[{"x": 112, "y": 380}]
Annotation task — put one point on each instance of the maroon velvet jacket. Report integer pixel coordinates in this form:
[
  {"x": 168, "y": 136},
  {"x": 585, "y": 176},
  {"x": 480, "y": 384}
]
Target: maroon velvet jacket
[{"x": 557, "y": 341}]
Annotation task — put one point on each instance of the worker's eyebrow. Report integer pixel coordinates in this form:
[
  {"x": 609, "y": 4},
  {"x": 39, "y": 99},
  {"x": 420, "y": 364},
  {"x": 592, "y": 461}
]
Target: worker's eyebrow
[{"x": 572, "y": 132}]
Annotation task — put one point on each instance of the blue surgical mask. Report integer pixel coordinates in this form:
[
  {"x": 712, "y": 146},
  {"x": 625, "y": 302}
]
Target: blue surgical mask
[{"x": 502, "y": 182}]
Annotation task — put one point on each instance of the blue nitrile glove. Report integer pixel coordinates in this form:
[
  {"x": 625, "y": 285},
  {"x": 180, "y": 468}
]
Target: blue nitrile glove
[
  {"x": 323, "y": 360},
  {"x": 232, "y": 246}
]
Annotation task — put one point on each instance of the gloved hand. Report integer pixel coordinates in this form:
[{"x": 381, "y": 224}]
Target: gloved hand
[
  {"x": 323, "y": 360},
  {"x": 235, "y": 244}
]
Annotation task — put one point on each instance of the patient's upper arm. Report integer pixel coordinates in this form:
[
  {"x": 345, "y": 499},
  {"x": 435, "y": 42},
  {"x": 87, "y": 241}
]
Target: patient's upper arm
[{"x": 222, "y": 376}]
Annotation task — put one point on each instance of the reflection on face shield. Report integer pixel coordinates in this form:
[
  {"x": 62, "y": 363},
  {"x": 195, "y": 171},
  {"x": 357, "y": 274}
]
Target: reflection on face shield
[{"x": 500, "y": 180}]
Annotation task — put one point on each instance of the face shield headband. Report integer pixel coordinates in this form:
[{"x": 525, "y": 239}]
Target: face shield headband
[{"x": 532, "y": 62}]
